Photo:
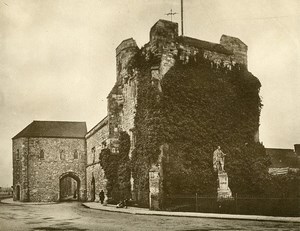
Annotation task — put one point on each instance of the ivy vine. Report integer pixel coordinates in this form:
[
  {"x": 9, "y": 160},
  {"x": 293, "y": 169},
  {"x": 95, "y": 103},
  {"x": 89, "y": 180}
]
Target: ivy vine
[
  {"x": 199, "y": 108},
  {"x": 117, "y": 169}
]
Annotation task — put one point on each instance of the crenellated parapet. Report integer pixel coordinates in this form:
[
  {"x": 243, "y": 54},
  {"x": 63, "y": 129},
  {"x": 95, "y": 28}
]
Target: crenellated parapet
[
  {"x": 163, "y": 31},
  {"x": 238, "y": 48},
  {"x": 166, "y": 47},
  {"x": 124, "y": 53}
]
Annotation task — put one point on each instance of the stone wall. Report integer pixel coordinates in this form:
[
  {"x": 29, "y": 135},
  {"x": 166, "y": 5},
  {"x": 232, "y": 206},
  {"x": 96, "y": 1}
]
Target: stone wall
[
  {"x": 96, "y": 140},
  {"x": 20, "y": 168},
  {"x": 124, "y": 52},
  {"x": 45, "y": 173},
  {"x": 95, "y": 170},
  {"x": 129, "y": 109},
  {"x": 237, "y": 46},
  {"x": 163, "y": 32}
]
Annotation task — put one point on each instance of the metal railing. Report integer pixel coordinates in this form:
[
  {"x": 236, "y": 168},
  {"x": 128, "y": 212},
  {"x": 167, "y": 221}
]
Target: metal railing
[{"x": 248, "y": 205}]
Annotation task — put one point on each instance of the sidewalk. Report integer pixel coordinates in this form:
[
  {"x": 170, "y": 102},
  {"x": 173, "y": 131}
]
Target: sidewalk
[
  {"x": 10, "y": 201},
  {"x": 142, "y": 211}
]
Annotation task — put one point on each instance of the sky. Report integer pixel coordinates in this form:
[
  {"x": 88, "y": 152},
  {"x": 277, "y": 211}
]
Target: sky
[{"x": 57, "y": 59}]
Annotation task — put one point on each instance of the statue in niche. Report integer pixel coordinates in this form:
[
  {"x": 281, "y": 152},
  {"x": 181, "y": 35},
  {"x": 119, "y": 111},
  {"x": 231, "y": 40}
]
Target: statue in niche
[{"x": 219, "y": 160}]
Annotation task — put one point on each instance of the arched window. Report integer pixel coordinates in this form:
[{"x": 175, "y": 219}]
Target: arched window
[
  {"x": 42, "y": 155},
  {"x": 93, "y": 154},
  {"x": 103, "y": 144},
  {"x": 62, "y": 155},
  {"x": 18, "y": 154},
  {"x": 75, "y": 154}
]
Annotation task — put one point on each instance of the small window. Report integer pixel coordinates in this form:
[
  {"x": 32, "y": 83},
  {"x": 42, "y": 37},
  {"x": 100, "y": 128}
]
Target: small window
[
  {"x": 94, "y": 153},
  {"x": 62, "y": 155},
  {"x": 76, "y": 154},
  {"x": 18, "y": 154},
  {"x": 42, "y": 155},
  {"x": 103, "y": 144}
]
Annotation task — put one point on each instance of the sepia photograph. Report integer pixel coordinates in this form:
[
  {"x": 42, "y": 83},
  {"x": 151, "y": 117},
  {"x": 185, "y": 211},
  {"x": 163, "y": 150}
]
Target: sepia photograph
[{"x": 149, "y": 115}]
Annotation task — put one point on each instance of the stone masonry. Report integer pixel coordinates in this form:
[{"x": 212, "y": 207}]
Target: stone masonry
[
  {"x": 165, "y": 45},
  {"x": 96, "y": 138},
  {"x": 39, "y": 178},
  {"x": 41, "y": 163}
]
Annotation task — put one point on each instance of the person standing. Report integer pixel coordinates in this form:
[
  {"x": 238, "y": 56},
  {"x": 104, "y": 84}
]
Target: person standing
[{"x": 101, "y": 196}]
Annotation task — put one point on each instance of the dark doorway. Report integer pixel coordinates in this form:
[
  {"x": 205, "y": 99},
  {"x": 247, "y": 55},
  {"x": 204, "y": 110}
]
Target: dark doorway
[
  {"x": 93, "y": 189},
  {"x": 69, "y": 185},
  {"x": 18, "y": 192}
]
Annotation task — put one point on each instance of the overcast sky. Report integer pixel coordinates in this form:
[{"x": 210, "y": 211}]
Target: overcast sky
[{"x": 57, "y": 59}]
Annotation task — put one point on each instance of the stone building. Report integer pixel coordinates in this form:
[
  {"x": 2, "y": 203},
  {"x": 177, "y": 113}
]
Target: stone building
[
  {"x": 165, "y": 45},
  {"x": 45, "y": 154},
  {"x": 284, "y": 160},
  {"x": 96, "y": 140}
]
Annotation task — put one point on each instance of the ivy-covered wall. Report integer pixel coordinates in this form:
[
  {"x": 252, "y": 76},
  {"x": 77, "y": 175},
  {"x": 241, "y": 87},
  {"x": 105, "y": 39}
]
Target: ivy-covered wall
[
  {"x": 117, "y": 169},
  {"x": 200, "y": 107}
]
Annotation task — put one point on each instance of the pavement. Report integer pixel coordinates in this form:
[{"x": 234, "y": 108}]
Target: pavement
[
  {"x": 144, "y": 211},
  {"x": 11, "y": 201}
]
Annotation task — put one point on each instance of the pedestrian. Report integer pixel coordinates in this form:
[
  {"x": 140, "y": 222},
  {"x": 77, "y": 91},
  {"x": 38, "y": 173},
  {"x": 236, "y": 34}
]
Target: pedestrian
[
  {"x": 125, "y": 203},
  {"x": 101, "y": 196},
  {"x": 75, "y": 194}
]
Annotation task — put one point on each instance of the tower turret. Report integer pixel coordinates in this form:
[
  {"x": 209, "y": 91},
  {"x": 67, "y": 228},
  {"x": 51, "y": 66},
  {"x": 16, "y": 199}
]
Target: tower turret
[
  {"x": 238, "y": 48},
  {"x": 163, "y": 31},
  {"x": 124, "y": 52}
]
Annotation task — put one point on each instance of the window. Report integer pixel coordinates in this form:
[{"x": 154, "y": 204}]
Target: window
[
  {"x": 76, "y": 154},
  {"x": 103, "y": 144},
  {"x": 62, "y": 155},
  {"x": 42, "y": 155},
  {"x": 18, "y": 154},
  {"x": 115, "y": 150},
  {"x": 93, "y": 153}
]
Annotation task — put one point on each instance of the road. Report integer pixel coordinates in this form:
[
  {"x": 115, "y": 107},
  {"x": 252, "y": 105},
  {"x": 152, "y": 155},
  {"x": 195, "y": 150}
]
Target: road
[{"x": 73, "y": 216}]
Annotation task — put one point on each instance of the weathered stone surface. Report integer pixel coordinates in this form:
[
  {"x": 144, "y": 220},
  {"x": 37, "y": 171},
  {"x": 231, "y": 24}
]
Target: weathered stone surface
[
  {"x": 96, "y": 140},
  {"x": 40, "y": 177},
  {"x": 237, "y": 46},
  {"x": 154, "y": 188},
  {"x": 95, "y": 171},
  {"x": 20, "y": 173},
  {"x": 224, "y": 191}
]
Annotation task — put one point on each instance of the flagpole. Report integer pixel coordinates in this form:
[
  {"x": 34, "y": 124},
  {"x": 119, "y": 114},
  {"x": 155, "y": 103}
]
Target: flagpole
[{"x": 181, "y": 17}]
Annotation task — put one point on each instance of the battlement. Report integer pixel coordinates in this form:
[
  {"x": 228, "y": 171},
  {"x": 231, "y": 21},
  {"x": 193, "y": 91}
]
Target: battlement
[
  {"x": 126, "y": 44},
  {"x": 238, "y": 48},
  {"x": 165, "y": 44},
  {"x": 163, "y": 30},
  {"x": 124, "y": 52},
  {"x": 201, "y": 44}
]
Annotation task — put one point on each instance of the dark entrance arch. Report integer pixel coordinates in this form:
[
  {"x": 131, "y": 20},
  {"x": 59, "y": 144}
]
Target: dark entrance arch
[
  {"x": 75, "y": 193},
  {"x": 18, "y": 192}
]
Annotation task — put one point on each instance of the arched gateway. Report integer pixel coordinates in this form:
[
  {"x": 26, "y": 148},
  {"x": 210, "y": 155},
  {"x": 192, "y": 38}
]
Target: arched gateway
[{"x": 69, "y": 186}]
